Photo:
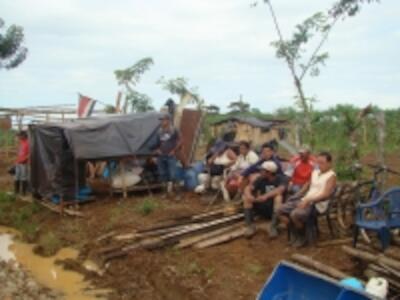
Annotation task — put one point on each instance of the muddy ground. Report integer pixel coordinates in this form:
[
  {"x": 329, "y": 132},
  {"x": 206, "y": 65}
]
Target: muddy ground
[{"x": 236, "y": 270}]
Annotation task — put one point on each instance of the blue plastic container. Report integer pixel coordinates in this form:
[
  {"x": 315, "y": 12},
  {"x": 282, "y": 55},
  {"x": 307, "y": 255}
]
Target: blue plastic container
[{"x": 291, "y": 282}]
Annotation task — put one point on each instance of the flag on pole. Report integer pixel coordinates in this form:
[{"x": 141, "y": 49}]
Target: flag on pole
[{"x": 85, "y": 106}]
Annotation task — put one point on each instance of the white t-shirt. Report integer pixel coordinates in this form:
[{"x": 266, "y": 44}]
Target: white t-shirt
[
  {"x": 317, "y": 187},
  {"x": 243, "y": 162}
]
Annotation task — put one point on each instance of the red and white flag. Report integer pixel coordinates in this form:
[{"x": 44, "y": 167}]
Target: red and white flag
[{"x": 85, "y": 106}]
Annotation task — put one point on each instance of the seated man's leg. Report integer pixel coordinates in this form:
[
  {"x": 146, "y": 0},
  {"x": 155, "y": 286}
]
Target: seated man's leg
[
  {"x": 248, "y": 199},
  {"x": 204, "y": 183},
  {"x": 299, "y": 216},
  {"x": 284, "y": 215},
  {"x": 162, "y": 169},
  {"x": 273, "y": 229},
  {"x": 171, "y": 172}
]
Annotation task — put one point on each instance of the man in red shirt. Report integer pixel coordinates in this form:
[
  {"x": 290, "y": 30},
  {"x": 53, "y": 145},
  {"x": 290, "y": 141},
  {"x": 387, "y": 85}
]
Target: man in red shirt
[
  {"x": 302, "y": 166},
  {"x": 21, "y": 164}
]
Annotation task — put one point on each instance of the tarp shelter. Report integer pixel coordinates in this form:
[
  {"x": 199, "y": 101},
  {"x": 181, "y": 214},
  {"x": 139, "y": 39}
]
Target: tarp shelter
[{"x": 58, "y": 148}]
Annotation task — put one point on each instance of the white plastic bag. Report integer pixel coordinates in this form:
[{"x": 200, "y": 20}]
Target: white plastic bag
[{"x": 378, "y": 287}]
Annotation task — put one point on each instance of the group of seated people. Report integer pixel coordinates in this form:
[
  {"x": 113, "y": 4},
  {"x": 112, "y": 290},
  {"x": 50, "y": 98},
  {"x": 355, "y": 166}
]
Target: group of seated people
[{"x": 286, "y": 193}]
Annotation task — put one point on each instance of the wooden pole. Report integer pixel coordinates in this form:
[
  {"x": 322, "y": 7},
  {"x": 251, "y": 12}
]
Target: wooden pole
[
  {"x": 221, "y": 239},
  {"x": 171, "y": 238},
  {"x": 380, "y": 122},
  {"x": 369, "y": 257},
  {"x": 311, "y": 263},
  {"x": 335, "y": 242},
  {"x": 198, "y": 238}
]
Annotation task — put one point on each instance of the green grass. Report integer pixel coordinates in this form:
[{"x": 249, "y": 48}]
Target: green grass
[
  {"x": 255, "y": 269},
  {"x": 19, "y": 216},
  {"x": 147, "y": 206}
]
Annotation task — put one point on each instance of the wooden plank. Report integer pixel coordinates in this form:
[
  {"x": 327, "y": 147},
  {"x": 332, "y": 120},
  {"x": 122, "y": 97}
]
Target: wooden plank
[
  {"x": 334, "y": 242},
  {"x": 316, "y": 265},
  {"x": 221, "y": 239},
  {"x": 57, "y": 209},
  {"x": 370, "y": 257},
  {"x": 198, "y": 238}
]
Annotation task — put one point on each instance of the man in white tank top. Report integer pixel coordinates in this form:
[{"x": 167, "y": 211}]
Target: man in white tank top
[{"x": 298, "y": 208}]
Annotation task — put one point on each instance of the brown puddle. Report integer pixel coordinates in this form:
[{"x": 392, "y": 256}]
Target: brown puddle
[{"x": 46, "y": 272}]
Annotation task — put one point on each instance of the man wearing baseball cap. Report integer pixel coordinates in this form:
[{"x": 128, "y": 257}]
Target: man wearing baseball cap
[
  {"x": 168, "y": 144},
  {"x": 264, "y": 197}
]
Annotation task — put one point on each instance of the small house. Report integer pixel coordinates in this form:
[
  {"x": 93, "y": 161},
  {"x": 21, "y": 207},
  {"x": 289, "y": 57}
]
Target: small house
[{"x": 252, "y": 129}]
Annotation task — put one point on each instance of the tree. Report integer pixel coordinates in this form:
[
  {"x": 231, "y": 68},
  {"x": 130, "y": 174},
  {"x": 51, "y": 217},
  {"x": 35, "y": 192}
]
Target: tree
[
  {"x": 212, "y": 109},
  {"x": 239, "y": 107},
  {"x": 179, "y": 86},
  {"x": 110, "y": 109},
  {"x": 12, "y": 51},
  {"x": 129, "y": 78},
  {"x": 317, "y": 27},
  {"x": 348, "y": 7},
  {"x": 139, "y": 102}
]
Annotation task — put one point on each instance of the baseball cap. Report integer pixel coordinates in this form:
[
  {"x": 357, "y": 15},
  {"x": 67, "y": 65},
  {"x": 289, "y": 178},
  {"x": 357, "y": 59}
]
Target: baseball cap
[{"x": 269, "y": 166}]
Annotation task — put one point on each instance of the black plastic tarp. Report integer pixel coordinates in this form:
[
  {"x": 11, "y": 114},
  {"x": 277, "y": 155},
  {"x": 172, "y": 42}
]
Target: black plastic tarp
[{"x": 57, "y": 148}]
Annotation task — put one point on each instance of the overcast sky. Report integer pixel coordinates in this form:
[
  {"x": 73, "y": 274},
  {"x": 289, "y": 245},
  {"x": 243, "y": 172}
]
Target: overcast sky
[{"x": 222, "y": 47}]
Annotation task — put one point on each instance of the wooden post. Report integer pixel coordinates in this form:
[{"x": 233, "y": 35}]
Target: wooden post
[
  {"x": 7, "y": 137},
  {"x": 76, "y": 166},
  {"x": 380, "y": 120},
  {"x": 118, "y": 102}
]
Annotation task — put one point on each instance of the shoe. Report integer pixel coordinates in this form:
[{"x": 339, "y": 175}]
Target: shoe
[
  {"x": 273, "y": 227},
  {"x": 293, "y": 237},
  {"x": 300, "y": 242},
  {"x": 250, "y": 231}
]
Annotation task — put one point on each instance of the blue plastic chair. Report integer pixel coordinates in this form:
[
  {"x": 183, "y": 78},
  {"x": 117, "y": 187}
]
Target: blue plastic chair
[{"x": 380, "y": 215}]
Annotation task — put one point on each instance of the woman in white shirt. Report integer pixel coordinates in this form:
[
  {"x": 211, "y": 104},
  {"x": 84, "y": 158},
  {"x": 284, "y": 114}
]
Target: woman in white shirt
[{"x": 246, "y": 158}]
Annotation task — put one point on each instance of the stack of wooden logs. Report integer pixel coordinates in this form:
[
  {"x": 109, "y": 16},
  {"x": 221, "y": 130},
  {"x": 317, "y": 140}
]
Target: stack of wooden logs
[
  {"x": 379, "y": 264},
  {"x": 371, "y": 263},
  {"x": 196, "y": 231}
]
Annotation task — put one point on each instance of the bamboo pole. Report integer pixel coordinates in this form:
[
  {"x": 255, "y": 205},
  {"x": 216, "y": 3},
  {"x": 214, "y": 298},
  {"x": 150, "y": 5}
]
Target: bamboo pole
[{"x": 309, "y": 262}]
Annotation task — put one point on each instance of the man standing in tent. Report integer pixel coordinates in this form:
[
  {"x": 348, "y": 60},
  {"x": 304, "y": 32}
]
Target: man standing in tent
[
  {"x": 169, "y": 143},
  {"x": 21, "y": 164}
]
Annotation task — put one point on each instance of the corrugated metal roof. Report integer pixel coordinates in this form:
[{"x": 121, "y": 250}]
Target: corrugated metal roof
[{"x": 253, "y": 121}]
